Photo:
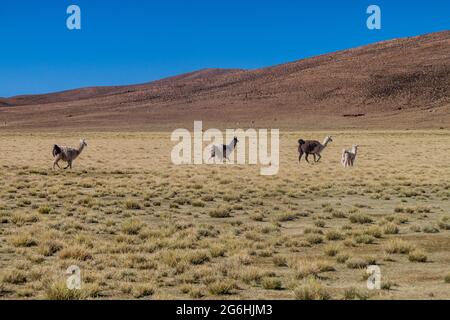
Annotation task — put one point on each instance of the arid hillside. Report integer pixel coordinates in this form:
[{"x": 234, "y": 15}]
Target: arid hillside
[{"x": 397, "y": 84}]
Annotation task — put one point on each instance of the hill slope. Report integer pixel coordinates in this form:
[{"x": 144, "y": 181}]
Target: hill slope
[{"x": 402, "y": 83}]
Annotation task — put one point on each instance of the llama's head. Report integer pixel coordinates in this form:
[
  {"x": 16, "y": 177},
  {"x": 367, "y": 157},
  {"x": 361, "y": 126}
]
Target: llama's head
[
  {"x": 235, "y": 141},
  {"x": 83, "y": 142},
  {"x": 355, "y": 147},
  {"x": 328, "y": 139}
]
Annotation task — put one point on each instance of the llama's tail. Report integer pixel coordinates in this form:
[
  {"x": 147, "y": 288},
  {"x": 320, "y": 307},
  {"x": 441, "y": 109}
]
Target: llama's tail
[
  {"x": 56, "y": 150},
  {"x": 301, "y": 142}
]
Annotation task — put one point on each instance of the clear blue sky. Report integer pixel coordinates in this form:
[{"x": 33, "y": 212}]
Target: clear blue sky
[{"x": 134, "y": 41}]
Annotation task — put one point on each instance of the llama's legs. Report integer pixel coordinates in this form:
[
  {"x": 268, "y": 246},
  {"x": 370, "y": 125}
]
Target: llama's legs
[
  {"x": 306, "y": 157},
  {"x": 55, "y": 163},
  {"x": 69, "y": 164},
  {"x": 300, "y": 156},
  {"x": 320, "y": 157}
]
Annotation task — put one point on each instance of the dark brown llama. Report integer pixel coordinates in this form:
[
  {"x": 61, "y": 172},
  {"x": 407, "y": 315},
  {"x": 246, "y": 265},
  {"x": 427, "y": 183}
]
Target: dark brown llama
[{"x": 312, "y": 147}]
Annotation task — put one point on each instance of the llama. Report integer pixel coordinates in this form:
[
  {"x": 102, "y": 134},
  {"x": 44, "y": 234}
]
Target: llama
[
  {"x": 223, "y": 152},
  {"x": 349, "y": 156},
  {"x": 67, "y": 154},
  {"x": 312, "y": 147}
]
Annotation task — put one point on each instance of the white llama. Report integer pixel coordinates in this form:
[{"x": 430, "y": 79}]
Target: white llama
[
  {"x": 349, "y": 156},
  {"x": 222, "y": 152}
]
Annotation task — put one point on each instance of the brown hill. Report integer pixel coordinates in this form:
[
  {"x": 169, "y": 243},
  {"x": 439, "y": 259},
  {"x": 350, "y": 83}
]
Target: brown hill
[{"x": 402, "y": 83}]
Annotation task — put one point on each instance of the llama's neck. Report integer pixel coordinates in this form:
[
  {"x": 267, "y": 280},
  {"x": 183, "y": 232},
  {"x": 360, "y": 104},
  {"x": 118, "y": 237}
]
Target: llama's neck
[
  {"x": 80, "y": 148},
  {"x": 354, "y": 150},
  {"x": 231, "y": 145},
  {"x": 325, "y": 142}
]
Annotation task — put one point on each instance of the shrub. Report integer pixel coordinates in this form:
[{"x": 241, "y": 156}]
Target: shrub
[
  {"x": 356, "y": 263},
  {"x": 319, "y": 223},
  {"x": 390, "y": 228},
  {"x": 217, "y": 251},
  {"x": 132, "y": 205},
  {"x": 198, "y": 257},
  {"x": 196, "y": 293},
  {"x": 14, "y": 277},
  {"x": 131, "y": 227},
  {"x": 220, "y": 213},
  {"x": 60, "y": 291},
  {"x": 430, "y": 229},
  {"x": 284, "y": 217},
  {"x": 334, "y": 235},
  {"x": 443, "y": 225},
  {"x": 76, "y": 253},
  {"x": 374, "y": 232},
  {"x": 221, "y": 287},
  {"x": 387, "y": 285},
  {"x": 354, "y": 294},
  {"x": 360, "y": 218},
  {"x": 197, "y": 203},
  {"x": 271, "y": 284},
  {"x": 49, "y": 248},
  {"x": 312, "y": 290},
  {"x": 417, "y": 256},
  {"x": 398, "y": 246},
  {"x": 143, "y": 291},
  {"x": 250, "y": 274},
  {"x": 304, "y": 269},
  {"x": 342, "y": 258},
  {"x": 314, "y": 239},
  {"x": 447, "y": 278},
  {"x": 364, "y": 239},
  {"x": 312, "y": 230},
  {"x": 45, "y": 209},
  {"x": 331, "y": 250},
  {"x": 280, "y": 261},
  {"x": 338, "y": 214},
  {"x": 21, "y": 219},
  {"x": 23, "y": 240}
]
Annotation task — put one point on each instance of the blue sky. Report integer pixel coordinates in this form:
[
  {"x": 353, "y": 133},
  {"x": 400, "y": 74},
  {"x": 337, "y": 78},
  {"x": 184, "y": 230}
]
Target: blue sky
[{"x": 135, "y": 41}]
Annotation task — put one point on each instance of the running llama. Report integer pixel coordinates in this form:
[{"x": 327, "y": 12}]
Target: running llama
[
  {"x": 312, "y": 147},
  {"x": 349, "y": 156},
  {"x": 222, "y": 152},
  {"x": 67, "y": 154}
]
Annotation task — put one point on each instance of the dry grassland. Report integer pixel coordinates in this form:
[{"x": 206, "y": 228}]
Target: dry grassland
[{"x": 140, "y": 227}]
